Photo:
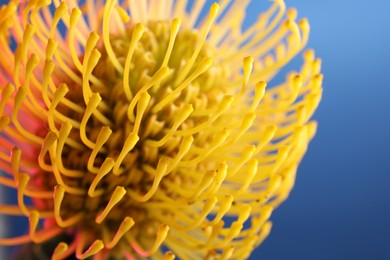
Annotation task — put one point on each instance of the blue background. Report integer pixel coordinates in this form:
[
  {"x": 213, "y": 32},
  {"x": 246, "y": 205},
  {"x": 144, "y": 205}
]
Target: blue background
[{"x": 339, "y": 208}]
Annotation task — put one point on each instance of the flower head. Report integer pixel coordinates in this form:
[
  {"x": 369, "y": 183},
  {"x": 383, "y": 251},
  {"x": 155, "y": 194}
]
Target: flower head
[{"x": 139, "y": 128}]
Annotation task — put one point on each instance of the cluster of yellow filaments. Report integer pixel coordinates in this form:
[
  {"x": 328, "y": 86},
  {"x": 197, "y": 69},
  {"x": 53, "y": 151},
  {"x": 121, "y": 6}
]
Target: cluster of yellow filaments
[{"x": 141, "y": 129}]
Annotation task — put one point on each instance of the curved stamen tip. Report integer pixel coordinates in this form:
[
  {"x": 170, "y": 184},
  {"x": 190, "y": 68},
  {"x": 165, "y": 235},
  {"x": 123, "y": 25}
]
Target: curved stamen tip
[
  {"x": 214, "y": 9},
  {"x": 118, "y": 194},
  {"x": 304, "y": 24},
  {"x": 176, "y": 22},
  {"x": 206, "y": 63},
  {"x": 168, "y": 256},
  {"x": 248, "y": 60},
  {"x": 309, "y": 55},
  {"x": 122, "y": 14},
  {"x": 138, "y": 31},
  {"x": 292, "y": 14},
  {"x": 95, "y": 248},
  {"x": 60, "y": 250},
  {"x": 76, "y": 13},
  {"x": 297, "y": 80}
]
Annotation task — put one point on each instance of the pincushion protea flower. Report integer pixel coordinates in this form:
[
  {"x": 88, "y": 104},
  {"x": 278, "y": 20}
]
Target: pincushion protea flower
[{"x": 140, "y": 129}]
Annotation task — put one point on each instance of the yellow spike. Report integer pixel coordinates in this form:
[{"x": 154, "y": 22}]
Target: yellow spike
[
  {"x": 232, "y": 232},
  {"x": 22, "y": 182},
  {"x": 265, "y": 214},
  {"x": 74, "y": 18},
  {"x": 95, "y": 248},
  {"x": 16, "y": 154},
  {"x": 19, "y": 99},
  {"x": 157, "y": 77},
  {"x": 28, "y": 33},
  {"x": 226, "y": 203},
  {"x": 221, "y": 172},
  {"x": 62, "y": 138},
  {"x": 48, "y": 70},
  {"x": 108, "y": 8},
  {"x": 136, "y": 36},
  {"x": 251, "y": 173},
  {"x": 91, "y": 107},
  {"x": 245, "y": 157},
  {"x": 247, "y": 67},
  {"x": 58, "y": 14},
  {"x": 102, "y": 138},
  {"x": 5, "y": 95},
  {"x": 59, "y": 193},
  {"x": 209, "y": 22},
  {"x": 117, "y": 195},
  {"x": 158, "y": 175},
  {"x": 292, "y": 14},
  {"x": 215, "y": 232},
  {"x": 162, "y": 233},
  {"x": 51, "y": 48},
  {"x": 280, "y": 158},
  {"x": 184, "y": 148},
  {"x": 59, "y": 94},
  {"x": 203, "y": 66},
  {"x": 219, "y": 139},
  {"x": 244, "y": 214},
  {"x": 265, "y": 231},
  {"x": 49, "y": 140},
  {"x": 175, "y": 26},
  {"x": 259, "y": 94},
  {"x": 225, "y": 104},
  {"x": 125, "y": 226},
  {"x": 141, "y": 107},
  {"x": 131, "y": 140},
  {"x": 45, "y": 234},
  {"x": 125, "y": 18},
  {"x": 88, "y": 66},
  {"x": 92, "y": 40},
  {"x": 206, "y": 181},
  {"x": 58, "y": 177},
  {"x": 246, "y": 123},
  {"x": 103, "y": 171},
  {"x": 208, "y": 206},
  {"x": 180, "y": 117},
  {"x": 59, "y": 251},
  {"x": 17, "y": 62},
  {"x": 168, "y": 256},
  {"x": 267, "y": 135},
  {"x": 227, "y": 252}
]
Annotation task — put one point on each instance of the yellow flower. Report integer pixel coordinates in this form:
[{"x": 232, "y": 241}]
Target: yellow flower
[{"x": 141, "y": 129}]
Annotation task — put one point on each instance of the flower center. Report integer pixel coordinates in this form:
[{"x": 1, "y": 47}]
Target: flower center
[{"x": 136, "y": 135}]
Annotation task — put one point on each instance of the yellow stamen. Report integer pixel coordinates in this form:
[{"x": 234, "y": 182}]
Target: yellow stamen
[
  {"x": 212, "y": 15},
  {"x": 106, "y": 167},
  {"x": 102, "y": 138},
  {"x": 162, "y": 233},
  {"x": 59, "y": 193},
  {"x": 108, "y": 8},
  {"x": 136, "y": 36},
  {"x": 118, "y": 194},
  {"x": 96, "y": 247},
  {"x": 124, "y": 227}
]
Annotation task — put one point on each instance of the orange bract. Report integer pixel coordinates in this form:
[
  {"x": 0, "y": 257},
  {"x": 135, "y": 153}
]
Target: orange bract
[{"x": 140, "y": 129}]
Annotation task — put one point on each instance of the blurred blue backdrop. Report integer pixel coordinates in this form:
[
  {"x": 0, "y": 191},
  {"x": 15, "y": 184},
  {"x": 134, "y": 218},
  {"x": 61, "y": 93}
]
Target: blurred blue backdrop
[{"x": 340, "y": 206}]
